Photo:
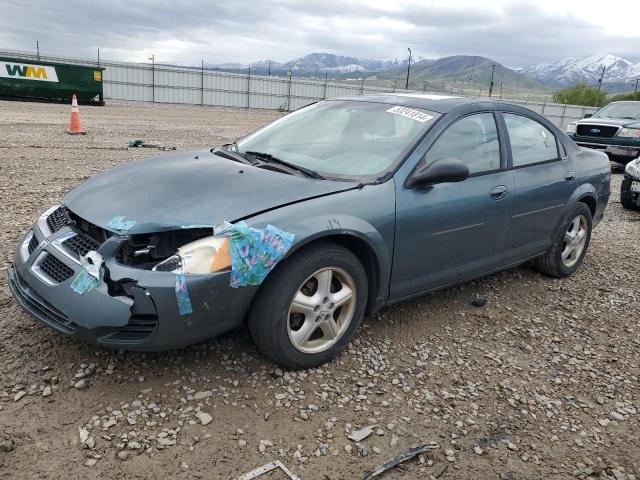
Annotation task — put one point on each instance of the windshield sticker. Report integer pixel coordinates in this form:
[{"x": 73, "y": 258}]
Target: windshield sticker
[
  {"x": 416, "y": 115},
  {"x": 254, "y": 252}
]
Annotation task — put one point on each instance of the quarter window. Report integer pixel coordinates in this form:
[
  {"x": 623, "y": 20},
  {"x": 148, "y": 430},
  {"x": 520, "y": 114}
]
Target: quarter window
[
  {"x": 473, "y": 139},
  {"x": 531, "y": 142}
]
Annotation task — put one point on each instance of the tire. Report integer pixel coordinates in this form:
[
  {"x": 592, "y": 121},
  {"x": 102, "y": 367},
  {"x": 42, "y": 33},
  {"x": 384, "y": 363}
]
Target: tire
[
  {"x": 552, "y": 262},
  {"x": 277, "y": 324},
  {"x": 626, "y": 200}
]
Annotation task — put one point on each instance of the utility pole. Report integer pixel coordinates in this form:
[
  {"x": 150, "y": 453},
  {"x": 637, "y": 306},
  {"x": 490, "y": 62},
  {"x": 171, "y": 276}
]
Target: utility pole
[
  {"x": 98, "y": 57},
  {"x": 635, "y": 90},
  {"x": 424, "y": 86},
  {"x": 202, "y": 83},
  {"x": 269, "y": 67},
  {"x": 38, "y": 49},
  {"x": 249, "y": 87},
  {"x": 393, "y": 83},
  {"x": 362, "y": 86},
  {"x": 493, "y": 70},
  {"x": 475, "y": 59},
  {"x": 408, "y": 70},
  {"x": 455, "y": 79},
  {"x": 153, "y": 77},
  {"x": 601, "y": 78}
]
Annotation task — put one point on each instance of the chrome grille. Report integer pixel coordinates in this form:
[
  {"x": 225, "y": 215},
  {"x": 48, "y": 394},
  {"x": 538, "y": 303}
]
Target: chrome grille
[
  {"x": 80, "y": 245},
  {"x": 55, "y": 269},
  {"x": 601, "y": 131},
  {"x": 57, "y": 219}
]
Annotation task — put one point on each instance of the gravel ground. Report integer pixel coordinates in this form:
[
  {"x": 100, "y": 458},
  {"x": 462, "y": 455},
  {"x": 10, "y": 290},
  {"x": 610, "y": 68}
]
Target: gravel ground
[{"x": 542, "y": 382}]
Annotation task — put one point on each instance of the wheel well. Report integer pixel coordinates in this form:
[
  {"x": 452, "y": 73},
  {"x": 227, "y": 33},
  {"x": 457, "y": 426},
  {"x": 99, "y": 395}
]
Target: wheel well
[
  {"x": 591, "y": 203},
  {"x": 367, "y": 257}
]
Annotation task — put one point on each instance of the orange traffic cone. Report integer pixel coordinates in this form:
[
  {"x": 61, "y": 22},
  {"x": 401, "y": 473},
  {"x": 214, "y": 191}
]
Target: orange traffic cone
[{"x": 74, "y": 125}]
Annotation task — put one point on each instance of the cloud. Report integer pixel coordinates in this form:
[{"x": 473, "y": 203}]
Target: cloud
[{"x": 513, "y": 32}]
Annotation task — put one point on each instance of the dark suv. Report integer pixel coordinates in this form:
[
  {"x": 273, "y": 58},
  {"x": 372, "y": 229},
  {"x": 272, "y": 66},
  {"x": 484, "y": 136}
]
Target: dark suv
[{"x": 614, "y": 129}]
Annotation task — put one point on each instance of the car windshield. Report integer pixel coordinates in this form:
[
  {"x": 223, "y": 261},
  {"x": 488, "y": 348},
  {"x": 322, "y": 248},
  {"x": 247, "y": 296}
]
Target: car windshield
[
  {"x": 620, "y": 110},
  {"x": 342, "y": 139}
]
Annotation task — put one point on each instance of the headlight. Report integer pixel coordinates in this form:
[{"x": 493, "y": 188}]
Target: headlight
[
  {"x": 633, "y": 169},
  {"x": 630, "y": 133},
  {"x": 571, "y": 128},
  {"x": 206, "y": 255}
]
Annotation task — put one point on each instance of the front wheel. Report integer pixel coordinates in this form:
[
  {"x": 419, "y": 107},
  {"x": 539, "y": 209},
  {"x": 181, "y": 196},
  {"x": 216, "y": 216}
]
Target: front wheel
[
  {"x": 570, "y": 245},
  {"x": 309, "y": 308}
]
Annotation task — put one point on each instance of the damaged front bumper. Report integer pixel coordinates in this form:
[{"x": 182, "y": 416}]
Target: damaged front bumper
[{"x": 132, "y": 308}]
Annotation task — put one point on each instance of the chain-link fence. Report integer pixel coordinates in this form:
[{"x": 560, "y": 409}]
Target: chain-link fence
[{"x": 198, "y": 86}]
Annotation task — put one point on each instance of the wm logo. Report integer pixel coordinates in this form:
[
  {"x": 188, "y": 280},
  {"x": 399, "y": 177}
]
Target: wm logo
[
  {"x": 21, "y": 71},
  {"x": 26, "y": 71}
]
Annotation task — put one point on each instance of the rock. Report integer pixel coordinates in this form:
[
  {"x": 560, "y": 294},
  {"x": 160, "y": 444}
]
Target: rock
[
  {"x": 46, "y": 391},
  {"x": 91, "y": 462},
  {"x": 242, "y": 443},
  {"x": 359, "y": 435},
  {"x": 512, "y": 446},
  {"x": 394, "y": 441},
  {"x": 616, "y": 416},
  {"x": 202, "y": 395},
  {"x": 604, "y": 422},
  {"x": 123, "y": 455},
  {"x": 19, "y": 395},
  {"x": 81, "y": 384},
  {"x": 204, "y": 418},
  {"x": 6, "y": 445},
  {"x": 478, "y": 450}
]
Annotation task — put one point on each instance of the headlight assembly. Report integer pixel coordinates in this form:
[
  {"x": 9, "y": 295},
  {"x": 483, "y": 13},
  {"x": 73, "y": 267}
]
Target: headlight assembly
[
  {"x": 207, "y": 255},
  {"x": 630, "y": 133},
  {"x": 633, "y": 169},
  {"x": 571, "y": 128}
]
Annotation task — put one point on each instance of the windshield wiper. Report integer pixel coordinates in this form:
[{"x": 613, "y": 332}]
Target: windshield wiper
[
  {"x": 235, "y": 156},
  {"x": 267, "y": 157}
]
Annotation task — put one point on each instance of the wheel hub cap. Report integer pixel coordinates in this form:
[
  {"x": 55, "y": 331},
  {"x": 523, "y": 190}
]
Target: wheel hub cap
[{"x": 574, "y": 241}]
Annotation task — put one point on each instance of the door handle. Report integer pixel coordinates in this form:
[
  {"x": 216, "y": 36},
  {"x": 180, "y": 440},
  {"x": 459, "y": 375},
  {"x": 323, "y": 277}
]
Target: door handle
[
  {"x": 570, "y": 176},
  {"x": 499, "y": 192}
]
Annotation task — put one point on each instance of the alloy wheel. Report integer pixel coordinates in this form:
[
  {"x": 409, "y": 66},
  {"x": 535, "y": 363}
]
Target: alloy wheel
[
  {"x": 321, "y": 310},
  {"x": 575, "y": 238}
]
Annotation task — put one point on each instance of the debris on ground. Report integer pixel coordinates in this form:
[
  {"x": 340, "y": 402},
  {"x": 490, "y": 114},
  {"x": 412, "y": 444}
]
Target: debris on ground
[
  {"x": 402, "y": 457},
  {"x": 276, "y": 464},
  {"x": 140, "y": 143}
]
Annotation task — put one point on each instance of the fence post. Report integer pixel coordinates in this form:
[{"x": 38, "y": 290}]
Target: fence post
[
  {"x": 544, "y": 104},
  {"x": 289, "y": 96},
  {"x": 362, "y": 86},
  {"x": 249, "y": 87},
  {"x": 562, "y": 119},
  {"x": 202, "y": 84},
  {"x": 324, "y": 96}
]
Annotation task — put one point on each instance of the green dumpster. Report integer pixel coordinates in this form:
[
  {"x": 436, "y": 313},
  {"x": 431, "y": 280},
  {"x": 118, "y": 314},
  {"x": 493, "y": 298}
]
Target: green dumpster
[{"x": 30, "y": 79}]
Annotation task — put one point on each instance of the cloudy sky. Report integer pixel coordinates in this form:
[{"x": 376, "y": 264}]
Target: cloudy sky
[{"x": 514, "y": 32}]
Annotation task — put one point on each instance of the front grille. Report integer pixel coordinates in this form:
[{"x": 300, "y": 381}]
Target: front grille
[
  {"x": 139, "y": 327},
  {"x": 57, "y": 219},
  {"x": 33, "y": 244},
  {"x": 55, "y": 269},
  {"x": 601, "y": 131},
  {"x": 80, "y": 245},
  {"x": 38, "y": 306}
]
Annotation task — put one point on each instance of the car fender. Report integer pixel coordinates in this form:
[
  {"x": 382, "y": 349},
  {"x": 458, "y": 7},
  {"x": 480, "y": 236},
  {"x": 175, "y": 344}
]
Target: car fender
[
  {"x": 366, "y": 215},
  {"x": 586, "y": 190}
]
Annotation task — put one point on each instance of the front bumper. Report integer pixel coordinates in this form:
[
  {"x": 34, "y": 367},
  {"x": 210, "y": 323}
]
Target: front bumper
[
  {"x": 132, "y": 309},
  {"x": 626, "y": 195},
  {"x": 618, "y": 147}
]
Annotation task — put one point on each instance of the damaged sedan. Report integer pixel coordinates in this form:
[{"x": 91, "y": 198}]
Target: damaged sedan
[{"x": 306, "y": 225}]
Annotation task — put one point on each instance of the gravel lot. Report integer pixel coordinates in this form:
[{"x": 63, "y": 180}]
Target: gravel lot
[{"x": 542, "y": 382}]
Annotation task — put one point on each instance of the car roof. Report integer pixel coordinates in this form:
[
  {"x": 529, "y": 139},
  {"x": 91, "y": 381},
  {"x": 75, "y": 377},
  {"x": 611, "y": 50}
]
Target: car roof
[{"x": 429, "y": 101}]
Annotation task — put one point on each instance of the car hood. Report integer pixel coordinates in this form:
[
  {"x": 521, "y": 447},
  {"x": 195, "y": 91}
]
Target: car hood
[
  {"x": 618, "y": 122},
  {"x": 186, "y": 189}
]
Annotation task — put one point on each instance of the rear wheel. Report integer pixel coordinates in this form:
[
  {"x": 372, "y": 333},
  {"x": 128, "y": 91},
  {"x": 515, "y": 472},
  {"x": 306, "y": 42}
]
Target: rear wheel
[
  {"x": 570, "y": 245},
  {"x": 310, "y": 307}
]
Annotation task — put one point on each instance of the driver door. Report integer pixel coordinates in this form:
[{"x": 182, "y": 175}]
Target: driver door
[{"x": 451, "y": 231}]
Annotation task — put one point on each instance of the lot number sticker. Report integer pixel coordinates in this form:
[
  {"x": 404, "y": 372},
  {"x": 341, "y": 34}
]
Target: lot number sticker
[{"x": 416, "y": 115}]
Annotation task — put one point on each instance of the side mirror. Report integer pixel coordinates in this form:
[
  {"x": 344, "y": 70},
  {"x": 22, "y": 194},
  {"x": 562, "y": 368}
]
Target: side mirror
[
  {"x": 588, "y": 115},
  {"x": 441, "y": 171}
]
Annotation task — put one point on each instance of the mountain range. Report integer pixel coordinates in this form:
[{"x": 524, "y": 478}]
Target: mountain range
[{"x": 455, "y": 72}]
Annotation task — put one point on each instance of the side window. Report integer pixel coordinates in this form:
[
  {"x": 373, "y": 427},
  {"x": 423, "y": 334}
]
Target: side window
[
  {"x": 531, "y": 142},
  {"x": 472, "y": 139}
]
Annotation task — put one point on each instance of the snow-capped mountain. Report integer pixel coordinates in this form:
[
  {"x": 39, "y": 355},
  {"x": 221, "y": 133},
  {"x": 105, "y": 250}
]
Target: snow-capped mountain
[
  {"x": 329, "y": 63},
  {"x": 588, "y": 69}
]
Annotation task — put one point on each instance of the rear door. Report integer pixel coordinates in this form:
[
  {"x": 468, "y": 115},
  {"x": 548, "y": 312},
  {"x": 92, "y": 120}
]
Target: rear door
[
  {"x": 543, "y": 177},
  {"x": 450, "y": 231}
]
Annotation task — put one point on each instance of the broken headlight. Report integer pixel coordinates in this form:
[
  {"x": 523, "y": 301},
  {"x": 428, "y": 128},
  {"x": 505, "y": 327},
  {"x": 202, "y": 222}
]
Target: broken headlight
[{"x": 207, "y": 255}]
